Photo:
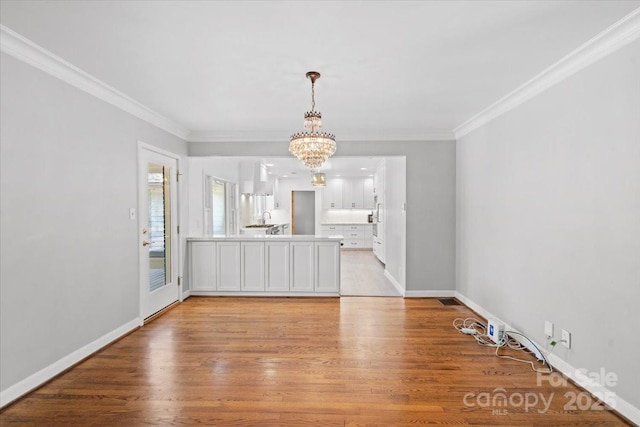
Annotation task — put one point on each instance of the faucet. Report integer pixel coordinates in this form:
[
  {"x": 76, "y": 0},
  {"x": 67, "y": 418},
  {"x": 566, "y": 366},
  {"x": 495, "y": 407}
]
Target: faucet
[{"x": 263, "y": 220}]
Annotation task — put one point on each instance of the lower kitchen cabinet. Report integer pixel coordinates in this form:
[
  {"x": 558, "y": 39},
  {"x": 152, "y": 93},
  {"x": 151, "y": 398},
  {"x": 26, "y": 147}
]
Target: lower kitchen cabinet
[
  {"x": 252, "y": 262},
  {"x": 327, "y": 267},
  {"x": 356, "y": 236},
  {"x": 203, "y": 266},
  {"x": 228, "y": 266},
  {"x": 277, "y": 265},
  {"x": 378, "y": 249},
  {"x": 302, "y": 266}
]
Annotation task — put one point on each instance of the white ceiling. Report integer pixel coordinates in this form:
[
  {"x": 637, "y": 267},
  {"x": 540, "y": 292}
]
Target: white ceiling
[{"x": 391, "y": 70}]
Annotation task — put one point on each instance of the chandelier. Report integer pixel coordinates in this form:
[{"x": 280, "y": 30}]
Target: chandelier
[
  {"x": 312, "y": 148},
  {"x": 318, "y": 179}
]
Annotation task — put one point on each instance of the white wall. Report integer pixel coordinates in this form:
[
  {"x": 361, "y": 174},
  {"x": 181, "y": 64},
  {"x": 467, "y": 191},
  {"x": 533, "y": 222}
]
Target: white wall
[
  {"x": 548, "y": 216},
  {"x": 395, "y": 218},
  {"x": 69, "y": 252},
  {"x": 430, "y": 198}
]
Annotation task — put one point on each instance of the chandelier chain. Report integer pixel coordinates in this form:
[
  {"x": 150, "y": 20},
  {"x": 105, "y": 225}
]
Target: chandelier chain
[{"x": 313, "y": 96}]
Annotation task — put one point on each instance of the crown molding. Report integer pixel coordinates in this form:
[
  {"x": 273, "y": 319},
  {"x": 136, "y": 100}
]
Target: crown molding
[
  {"x": 613, "y": 38},
  {"x": 27, "y": 51},
  {"x": 279, "y": 136}
]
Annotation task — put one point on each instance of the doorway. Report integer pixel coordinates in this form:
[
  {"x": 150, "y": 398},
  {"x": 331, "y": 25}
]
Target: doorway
[
  {"x": 158, "y": 220},
  {"x": 303, "y": 212}
]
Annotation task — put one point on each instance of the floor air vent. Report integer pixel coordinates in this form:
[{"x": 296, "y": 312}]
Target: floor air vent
[{"x": 448, "y": 301}]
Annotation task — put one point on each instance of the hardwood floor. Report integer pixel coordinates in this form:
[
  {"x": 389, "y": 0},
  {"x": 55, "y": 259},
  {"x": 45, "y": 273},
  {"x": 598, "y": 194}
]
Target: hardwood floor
[
  {"x": 361, "y": 274},
  {"x": 298, "y": 362}
]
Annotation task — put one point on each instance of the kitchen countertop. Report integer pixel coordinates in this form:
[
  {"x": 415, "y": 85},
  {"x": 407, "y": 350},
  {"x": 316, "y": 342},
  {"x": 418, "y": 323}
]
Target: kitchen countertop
[
  {"x": 267, "y": 237},
  {"x": 264, "y": 228},
  {"x": 346, "y": 223}
]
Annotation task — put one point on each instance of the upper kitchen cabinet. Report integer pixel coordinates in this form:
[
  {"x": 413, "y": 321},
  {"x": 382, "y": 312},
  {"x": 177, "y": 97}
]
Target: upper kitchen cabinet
[
  {"x": 369, "y": 202},
  {"x": 332, "y": 194},
  {"x": 357, "y": 193},
  {"x": 378, "y": 182}
]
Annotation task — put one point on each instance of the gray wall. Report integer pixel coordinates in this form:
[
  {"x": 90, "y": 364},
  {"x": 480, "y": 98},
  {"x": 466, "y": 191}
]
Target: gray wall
[
  {"x": 548, "y": 216},
  {"x": 430, "y": 196},
  {"x": 69, "y": 252}
]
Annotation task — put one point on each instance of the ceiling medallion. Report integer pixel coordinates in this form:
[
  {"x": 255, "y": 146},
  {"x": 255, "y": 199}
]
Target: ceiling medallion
[{"x": 312, "y": 148}]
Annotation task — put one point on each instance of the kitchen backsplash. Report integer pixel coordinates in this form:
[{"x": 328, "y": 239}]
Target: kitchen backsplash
[{"x": 344, "y": 216}]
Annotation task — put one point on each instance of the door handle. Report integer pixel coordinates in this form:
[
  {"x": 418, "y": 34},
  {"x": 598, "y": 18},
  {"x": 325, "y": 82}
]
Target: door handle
[{"x": 146, "y": 243}]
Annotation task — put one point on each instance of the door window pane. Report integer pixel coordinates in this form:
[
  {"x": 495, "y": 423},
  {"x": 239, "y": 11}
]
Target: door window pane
[{"x": 159, "y": 200}]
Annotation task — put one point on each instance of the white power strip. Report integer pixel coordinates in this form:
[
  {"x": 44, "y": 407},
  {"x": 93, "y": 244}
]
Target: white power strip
[{"x": 495, "y": 330}]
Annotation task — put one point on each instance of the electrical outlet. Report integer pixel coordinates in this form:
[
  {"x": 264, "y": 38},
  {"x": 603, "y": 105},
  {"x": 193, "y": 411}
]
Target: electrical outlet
[
  {"x": 566, "y": 338},
  {"x": 548, "y": 328}
]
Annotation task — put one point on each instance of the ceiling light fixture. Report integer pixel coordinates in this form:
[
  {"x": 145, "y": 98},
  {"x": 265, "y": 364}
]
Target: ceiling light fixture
[
  {"x": 312, "y": 148},
  {"x": 318, "y": 179}
]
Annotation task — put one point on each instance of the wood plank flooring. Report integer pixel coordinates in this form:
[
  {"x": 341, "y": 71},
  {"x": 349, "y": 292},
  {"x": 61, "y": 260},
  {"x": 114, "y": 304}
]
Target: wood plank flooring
[{"x": 298, "y": 362}]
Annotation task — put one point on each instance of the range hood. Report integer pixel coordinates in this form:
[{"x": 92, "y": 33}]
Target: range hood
[{"x": 254, "y": 179}]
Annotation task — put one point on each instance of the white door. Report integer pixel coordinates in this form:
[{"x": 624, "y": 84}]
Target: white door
[{"x": 158, "y": 237}]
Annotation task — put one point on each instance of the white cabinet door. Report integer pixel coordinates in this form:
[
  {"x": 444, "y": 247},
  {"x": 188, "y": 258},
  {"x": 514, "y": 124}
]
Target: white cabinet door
[
  {"x": 331, "y": 230},
  {"x": 350, "y": 243},
  {"x": 353, "y": 236},
  {"x": 357, "y": 199},
  {"x": 228, "y": 266},
  {"x": 368, "y": 236},
  {"x": 277, "y": 265},
  {"x": 301, "y": 266},
  {"x": 378, "y": 248},
  {"x": 378, "y": 183},
  {"x": 252, "y": 261},
  {"x": 327, "y": 267},
  {"x": 203, "y": 266},
  {"x": 348, "y": 194},
  {"x": 353, "y": 193},
  {"x": 368, "y": 194},
  {"x": 332, "y": 194}
]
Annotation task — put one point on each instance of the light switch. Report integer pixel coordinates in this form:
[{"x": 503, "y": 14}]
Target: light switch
[{"x": 132, "y": 213}]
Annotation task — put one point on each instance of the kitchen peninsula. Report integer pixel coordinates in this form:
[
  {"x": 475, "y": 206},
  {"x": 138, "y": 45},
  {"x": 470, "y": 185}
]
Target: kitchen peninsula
[{"x": 265, "y": 265}]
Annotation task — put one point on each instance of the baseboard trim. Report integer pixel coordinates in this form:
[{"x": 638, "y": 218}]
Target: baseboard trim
[
  {"x": 241, "y": 294},
  {"x": 34, "y": 381},
  {"x": 621, "y": 407},
  {"x": 186, "y": 294},
  {"x": 429, "y": 294},
  {"x": 395, "y": 283}
]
